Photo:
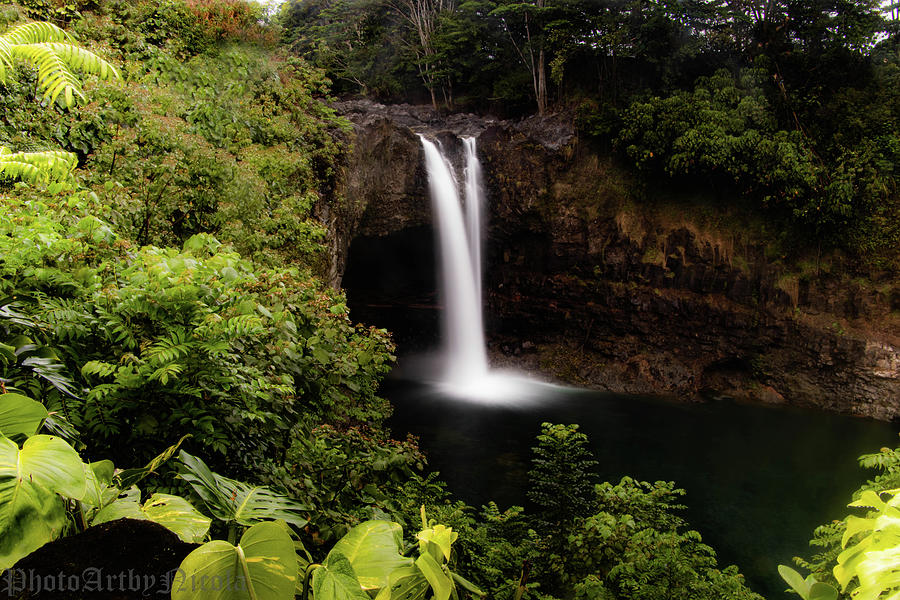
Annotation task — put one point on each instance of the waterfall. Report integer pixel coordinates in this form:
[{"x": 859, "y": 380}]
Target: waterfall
[
  {"x": 474, "y": 209},
  {"x": 465, "y": 368},
  {"x": 460, "y": 265}
]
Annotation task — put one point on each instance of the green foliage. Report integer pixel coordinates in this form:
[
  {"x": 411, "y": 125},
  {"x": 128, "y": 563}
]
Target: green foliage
[
  {"x": 495, "y": 548},
  {"x": 608, "y": 541},
  {"x": 809, "y": 588},
  {"x": 370, "y": 558},
  {"x": 36, "y": 167},
  {"x": 50, "y": 50},
  {"x": 831, "y": 538},
  {"x": 234, "y": 145},
  {"x": 20, "y": 416},
  {"x": 345, "y": 476},
  {"x": 871, "y": 545},
  {"x": 32, "y": 478},
  {"x": 54, "y": 10},
  {"x": 172, "y": 512},
  {"x": 45, "y": 479},
  {"x": 866, "y": 566},
  {"x": 371, "y": 548},
  {"x": 335, "y": 580},
  {"x": 636, "y": 547},
  {"x": 562, "y": 477},
  {"x": 725, "y": 131},
  {"x": 263, "y": 566},
  {"x": 235, "y": 502},
  {"x": 159, "y": 339}
]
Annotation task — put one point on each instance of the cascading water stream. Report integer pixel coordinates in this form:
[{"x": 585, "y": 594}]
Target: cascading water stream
[
  {"x": 463, "y": 333},
  {"x": 465, "y": 374},
  {"x": 474, "y": 209}
]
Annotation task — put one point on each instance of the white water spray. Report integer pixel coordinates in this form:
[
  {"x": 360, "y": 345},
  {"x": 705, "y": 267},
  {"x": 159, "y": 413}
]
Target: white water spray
[
  {"x": 463, "y": 333},
  {"x": 466, "y": 374}
]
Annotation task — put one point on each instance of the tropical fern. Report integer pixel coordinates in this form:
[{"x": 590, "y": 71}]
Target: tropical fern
[
  {"x": 52, "y": 51},
  {"x": 36, "y": 167}
]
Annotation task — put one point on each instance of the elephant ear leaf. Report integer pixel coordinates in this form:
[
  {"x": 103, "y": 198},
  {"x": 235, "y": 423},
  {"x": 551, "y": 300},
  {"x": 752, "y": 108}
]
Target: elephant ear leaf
[
  {"x": 822, "y": 591},
  {"x": 373, "y": 549},
  {"x": 20, "y": 415},
  {"x": 172, "y": 512},
  {"x": 263, "y": 566},
  {"x": 31, "y": 480},
  {"x": 336, "y": 580},
  {"x": 98, "y": 476}
]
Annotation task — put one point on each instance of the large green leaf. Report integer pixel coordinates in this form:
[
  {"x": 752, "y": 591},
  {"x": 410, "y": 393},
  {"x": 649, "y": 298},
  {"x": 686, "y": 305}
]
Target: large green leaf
[
  {"x": 231, "y": 500},
  {"x": 98, "y": 476},
  {"x": 44, "y": 460},
  {"x": 31, "y": 512},
  {"x": 20, "y": 415},
  {"x": 34, "y": 516},
  {"x": 373, "y": 549},
  {"x": 822, "y": 591},
  {"x": 795, "y": 580},
  {"x": 172, "y": 512},
  {"x": 335, "y": 580},
  {"x": 410, "y": 584},
  {"x": 262, "y": 567},
  {"x": 440, "y": 582}
]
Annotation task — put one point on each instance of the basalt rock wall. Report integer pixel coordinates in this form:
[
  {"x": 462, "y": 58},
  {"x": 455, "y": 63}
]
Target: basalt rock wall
[{"x": 592, "y": 280}]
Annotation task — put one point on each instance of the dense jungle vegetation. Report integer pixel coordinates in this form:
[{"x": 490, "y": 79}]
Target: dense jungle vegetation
[{"x": 163, "y": 321}]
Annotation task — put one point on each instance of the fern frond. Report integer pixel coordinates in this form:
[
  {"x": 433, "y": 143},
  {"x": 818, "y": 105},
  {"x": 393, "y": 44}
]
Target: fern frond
[
  {"x": 84, "y": 60},
  {"x": 99, "y": 368},
  {"x": 34, "y": 167},
  {"x": 116, "y": 328},
  {"x": 36, "y": 33},
  {"x": 242, "y": 326},
  {"x": 215, "y": 347},
  {"x": 54, "y": 53},
  {"x": 166, "y": 350},
  {"x": 54, "y": 75},
  {"x": 166, "y": 372},
  {"x": 5, "y": 58}
]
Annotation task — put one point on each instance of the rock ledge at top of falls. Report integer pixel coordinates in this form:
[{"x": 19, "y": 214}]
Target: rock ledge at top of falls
[{"x": 551, "y": 131}]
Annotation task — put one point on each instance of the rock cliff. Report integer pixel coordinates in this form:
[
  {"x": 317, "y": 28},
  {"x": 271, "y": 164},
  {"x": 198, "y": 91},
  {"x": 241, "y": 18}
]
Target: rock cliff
[{"x": 599, "y": 280}]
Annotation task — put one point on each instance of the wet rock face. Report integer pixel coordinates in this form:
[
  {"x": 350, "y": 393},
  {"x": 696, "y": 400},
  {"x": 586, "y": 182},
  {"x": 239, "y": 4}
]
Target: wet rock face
[{"x": 611, "y": 293}]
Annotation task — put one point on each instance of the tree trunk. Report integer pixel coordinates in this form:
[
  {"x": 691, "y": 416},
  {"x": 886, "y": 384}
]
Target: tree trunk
[{"x": 541, "y": 84}]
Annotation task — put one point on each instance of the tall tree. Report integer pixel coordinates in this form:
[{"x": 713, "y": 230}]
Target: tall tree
[
  {"x": 422, "y": 16},
  {"x": 523, "y": 22},
  {"x": 348, "y": 38}
]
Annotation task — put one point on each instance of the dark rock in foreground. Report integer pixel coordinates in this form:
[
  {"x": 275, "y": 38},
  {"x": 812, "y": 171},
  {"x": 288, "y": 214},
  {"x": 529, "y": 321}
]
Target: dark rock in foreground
[{"x": 119, "y": 560}]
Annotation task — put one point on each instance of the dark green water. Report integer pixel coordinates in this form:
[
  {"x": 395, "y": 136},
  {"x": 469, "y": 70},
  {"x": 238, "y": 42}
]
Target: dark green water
[{"x": 759, "y": 479}]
